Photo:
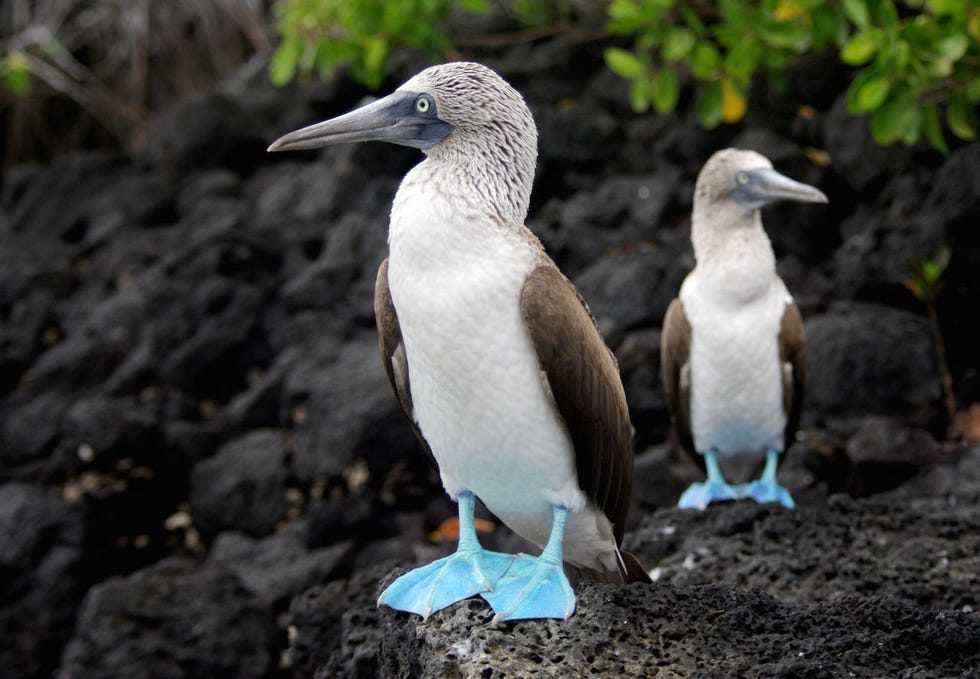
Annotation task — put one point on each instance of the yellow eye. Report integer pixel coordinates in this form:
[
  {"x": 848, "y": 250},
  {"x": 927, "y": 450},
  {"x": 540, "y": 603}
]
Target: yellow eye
[
  {"x": 742, "y": 178},
  {"x": 422, "y": 105}
]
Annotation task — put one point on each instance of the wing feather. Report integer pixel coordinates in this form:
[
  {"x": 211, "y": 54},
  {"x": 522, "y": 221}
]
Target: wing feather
[{"x": 584, "y": 381}]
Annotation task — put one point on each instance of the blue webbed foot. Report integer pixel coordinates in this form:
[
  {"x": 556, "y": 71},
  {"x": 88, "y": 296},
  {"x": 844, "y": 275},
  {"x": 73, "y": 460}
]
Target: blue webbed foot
[
  {"x": 471, "y": 570},
  {"x": 532, "y": 588},
  {"x": 458, "y": 576},
  {"x": 765, "y": 488},
  {"x": 763, "y": 491},
  {"x": 536, "y": 587},
  {"x": 700, "y": 495},
  {"x": 714, "y": 489}
]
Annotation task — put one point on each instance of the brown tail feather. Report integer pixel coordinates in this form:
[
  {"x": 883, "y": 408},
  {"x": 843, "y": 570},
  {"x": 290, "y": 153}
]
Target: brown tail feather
[{"x": 635, "y": 572}]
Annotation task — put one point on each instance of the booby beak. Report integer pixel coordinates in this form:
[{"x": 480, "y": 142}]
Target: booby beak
[
  {"x": 392, "y": 119},
  {"x": 756, "y": 188}
]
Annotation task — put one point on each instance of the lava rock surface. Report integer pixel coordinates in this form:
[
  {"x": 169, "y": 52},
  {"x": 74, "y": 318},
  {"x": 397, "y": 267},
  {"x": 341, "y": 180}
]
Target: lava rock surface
[{"x": 203, "y": 472}]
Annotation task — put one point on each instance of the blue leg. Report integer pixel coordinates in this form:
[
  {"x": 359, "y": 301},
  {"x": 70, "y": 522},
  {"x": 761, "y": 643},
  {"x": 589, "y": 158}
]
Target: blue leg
[
  {"x": 765, "y": 488},
  {"x": 536, "y": 588},
  {"x": 700, "y": 495},
  {"x": 469, "y": 571}
]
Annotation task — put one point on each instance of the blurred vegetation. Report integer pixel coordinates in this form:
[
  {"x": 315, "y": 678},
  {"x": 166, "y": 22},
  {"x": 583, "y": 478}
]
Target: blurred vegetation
[
  {"x": 319, "y": 35},
  {"x": 915, "y": 63},
  {"x": 77, "y": 73},
  {"x": 925, "y": 282},
  {"x": 913, "y": 58}
]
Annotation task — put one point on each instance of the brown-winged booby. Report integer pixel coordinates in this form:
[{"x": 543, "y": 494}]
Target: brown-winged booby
[
  {"x": 492, "y": 353},
  {"x": 733, "y": 353}
]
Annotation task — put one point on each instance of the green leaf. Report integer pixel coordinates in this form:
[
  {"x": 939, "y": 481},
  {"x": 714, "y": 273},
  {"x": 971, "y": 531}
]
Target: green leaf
[
  {"x": 941, "y": 7},
  {"x": 624, "y": 63},
  {"x": 665, "y": 90},
  {"x": 960, "y": 117},
  {"x": 282, "y": 66},
  {"x": 734, "y": 13},
  {"x": 692, "y": 19},
  {"x": 704, "y": 61},
  {"x": 374, "y": 55},
  {"x": 640, "y": 95},
  {"x": 709, "y": 104},
  {"x": 16, "y": 74},
  {"x": 895, "y": 117},
  {"x": 743, "y": 58},
  {"x": 784, "y": 35},
  {"x": 475, "y": 6},
  {"x": 933, "y": 129},
  {"x": 972, "y": 90},
  {"x": 678, "y": 42},
  {"x": 859, "y": 48},
  {"x": 624, "y": 16},
  {"x": 913, "y": 129},
  {"x": 868, "y": 94},
  {"x": 857, "y": 12},
  {"x": 952, "y": 47},
  {"x": 829, "y": 26}
]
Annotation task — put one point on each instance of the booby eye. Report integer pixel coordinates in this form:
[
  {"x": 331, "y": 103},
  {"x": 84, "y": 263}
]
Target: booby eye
[
  {"x": 742, "y": 177},
  {"x": 423, "y": 105}
]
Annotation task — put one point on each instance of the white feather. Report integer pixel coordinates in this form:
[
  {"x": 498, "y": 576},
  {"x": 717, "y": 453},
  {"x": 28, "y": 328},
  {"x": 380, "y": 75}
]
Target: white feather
[{"x": 455, "y": 279}]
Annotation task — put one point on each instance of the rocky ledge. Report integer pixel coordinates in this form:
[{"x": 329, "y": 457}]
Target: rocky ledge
[{"x": 203, "y": 472}]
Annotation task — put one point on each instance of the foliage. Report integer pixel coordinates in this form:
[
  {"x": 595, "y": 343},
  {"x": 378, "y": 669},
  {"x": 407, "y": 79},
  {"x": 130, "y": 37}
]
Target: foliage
[
  {"x": 913, "y": 57},
  {"x": 319, "y": 35},
  {"x": 114, "y": 62},
  {"x": 925, "y": 281},
  {"x": 16, "y": 74}
]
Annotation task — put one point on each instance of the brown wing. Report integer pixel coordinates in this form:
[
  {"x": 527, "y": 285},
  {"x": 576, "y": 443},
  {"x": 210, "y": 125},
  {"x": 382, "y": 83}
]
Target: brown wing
[
  {"x": 792, "y": 358},
  {"x": 675, "y": 351},
  {"x": 583, "y": 376},
  {"x": 393, "y": 353}
]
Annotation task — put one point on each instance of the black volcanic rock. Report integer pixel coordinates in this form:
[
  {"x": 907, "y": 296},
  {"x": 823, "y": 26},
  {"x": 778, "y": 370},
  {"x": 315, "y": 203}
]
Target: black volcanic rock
[
  {"x": 870, "y": 359},
  {"x": 41, "y": 564},
  {"x": 197, "y": 437},
  {"x": 242, "y": 486},
  {"x": 174, "y": 619}
]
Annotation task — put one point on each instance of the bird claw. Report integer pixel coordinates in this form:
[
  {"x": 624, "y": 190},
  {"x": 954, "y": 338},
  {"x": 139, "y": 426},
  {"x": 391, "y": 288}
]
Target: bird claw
[
  {"x": 700, "y": 495},
  {"x": 763, "y": 491},
  {"x": 532, "y": 588},
  {"x": 458, "y": 576}
]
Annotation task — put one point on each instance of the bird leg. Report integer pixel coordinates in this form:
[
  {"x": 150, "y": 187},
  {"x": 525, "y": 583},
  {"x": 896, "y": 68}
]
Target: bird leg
[
  {"x": 470, "y": 570},
  {"x": 536, "y": 587},
  {"x": 713, "y": 489},
  {"x": 766, "y": 488}
]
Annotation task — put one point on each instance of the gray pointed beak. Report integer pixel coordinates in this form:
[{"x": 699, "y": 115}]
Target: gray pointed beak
[
  {"x": 392, "y": 119},
  {"x": 765, "y": 185}
]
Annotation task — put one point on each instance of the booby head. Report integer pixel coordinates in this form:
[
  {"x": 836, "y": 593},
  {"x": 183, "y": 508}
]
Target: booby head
[
  {"x": 749, "y": 179},
  {"x": 467, "y": 119},
  {"x": 435, "y": 109}
]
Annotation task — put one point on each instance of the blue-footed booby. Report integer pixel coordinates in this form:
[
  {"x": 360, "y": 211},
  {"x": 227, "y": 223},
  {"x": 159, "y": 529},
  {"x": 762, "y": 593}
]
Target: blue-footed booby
[
  {"x": 733, "y": 346},
  {"x": 492, "y": 353}
]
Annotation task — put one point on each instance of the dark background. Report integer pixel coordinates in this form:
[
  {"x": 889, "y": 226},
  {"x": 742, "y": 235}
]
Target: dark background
[{"x": 203, "y": 472}]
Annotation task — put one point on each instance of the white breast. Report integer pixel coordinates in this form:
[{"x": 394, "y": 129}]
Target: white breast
[
  {"x": 735, "y": 372},
  {"x": 476, "y": 385}
]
